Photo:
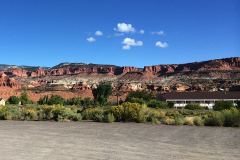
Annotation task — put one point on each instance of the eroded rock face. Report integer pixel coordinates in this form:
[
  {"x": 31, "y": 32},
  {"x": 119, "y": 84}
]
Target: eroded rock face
[
  {"x": 5, "y": 81},
  {"x": 219, "y": 64},
  {"x": 160, "y": 69},
  {"x": 127, "y": 69},
  {"x": 19, "y": 72},
  {"x": 198, "y": 76}
]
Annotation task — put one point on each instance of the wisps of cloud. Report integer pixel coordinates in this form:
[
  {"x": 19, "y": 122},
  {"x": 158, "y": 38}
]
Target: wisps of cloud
[
  {"x": 141, "y": 31},
  {"x": 91, "y": 39},
  {"x": 98, "y": 33},
  {"x": 129, "y": 42},
  {"x": 161, "y": 44},
  {"x": 159, "y": 33},
  {"x": 124, "y": 28}
]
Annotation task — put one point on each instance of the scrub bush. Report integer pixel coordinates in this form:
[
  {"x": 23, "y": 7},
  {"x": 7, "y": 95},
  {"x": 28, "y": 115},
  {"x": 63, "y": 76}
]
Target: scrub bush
[
  {"x": 188, "y": 121},
  {"x": 221, "y": 105},
  {"x": 95, "y": 114},
  {"x": 193, "y": 107},
  {"x": 231, "y": 117},
  {"x": 198, "y": 121},
  {"x": 215, "y": 119},
  {"x": 109, "y": 118},
  {"x": 157, "y": 104}
]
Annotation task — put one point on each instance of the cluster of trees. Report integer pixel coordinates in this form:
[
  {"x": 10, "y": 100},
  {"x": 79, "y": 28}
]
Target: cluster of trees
[
  {"x": 55, "y": 99},
  {"x": 100, "y": 94},
  {"x": 22, "y": 99},
  {"x": 144, "y": 97}
]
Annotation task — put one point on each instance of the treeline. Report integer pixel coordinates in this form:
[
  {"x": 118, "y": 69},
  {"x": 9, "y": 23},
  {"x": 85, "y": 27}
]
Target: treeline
[{"x": 100, "y": 94}]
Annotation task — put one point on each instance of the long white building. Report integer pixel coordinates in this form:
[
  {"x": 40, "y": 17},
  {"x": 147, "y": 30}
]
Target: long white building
[{"x": 204, "y": 99}]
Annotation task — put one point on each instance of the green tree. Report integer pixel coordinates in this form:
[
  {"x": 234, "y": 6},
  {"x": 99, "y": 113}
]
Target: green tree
[
  {"x": 87, "y": 102},
  {"x": 24, "y": 98},
  {"x": 101, "y": 93},
  {"x": 74, "y": 101},
  {"x": 193, "y": 106},
  {"x": 55, "y": 99},
  {"x": 221, "y": 105},
  {"x": 43, "y": 100},
  {"x": 157, "y": 104},
  {"x": 140, "y": 96},
  {"x": 13, "y": 100},
  {"x": 238, "y": 104}
]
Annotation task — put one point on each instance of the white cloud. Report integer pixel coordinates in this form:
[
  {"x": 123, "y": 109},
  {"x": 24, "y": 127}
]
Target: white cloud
[
  {"x": 160, "y": 33},
  {"x": 125, "y": 47},
  {"x": 98, "y": 33},
  {"x": 91, "y": 39},
  {"x": 124, "y": 28},
  {"x": 141, "y": 31},
  {"x": 161, "y": 44},
  {"x": 129, "y": 42}
]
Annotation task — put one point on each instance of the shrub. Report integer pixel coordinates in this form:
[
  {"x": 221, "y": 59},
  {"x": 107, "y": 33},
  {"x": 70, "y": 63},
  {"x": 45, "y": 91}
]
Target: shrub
[
  {"x": 73, "y": 101},
  {"x": 170, "y": 104},
  {"x": 55, "y": 99},
  {"x": 109, "y": 118},
  {"x": 5, "y": 114},
  {"x": 143, "y": 95},
  {"x": 75, "y": 116},
  {"x": 155, "y": 120},
  {"x": 130, "y": 112},
  {"x": 157, "y": 104},
  {"x": 238, "y": 104},
  {"x": 168, "y": 121},
  {"x": 188, "y": 121},
  {"x": 172, "y": 113},
  {"x": 13, "y": 100},
  {"x": 24, "y": 98},
  {"x": 153, "y": 115},
  {"x": 45, "y": 113},
  {"x": 61, "y": 113},
  {"x": 198, "y": 121},
  {"x": 216, "y": 119},
  {"x": 231, "y": 117},
  {"x": 117, "y": 112},
  {"x": 43, "y": 100},
  {"x": 87, "y": 102},
  {"x": 221, "y": 105},
  {"x": 193, "y": 107},
  {"x": 178, "y": 120},
  {"x": 29, "y": 113},
  {"x": 134, "y": 112},
  {"x": 137, "y": 100},
  {"x": 95, "y": 114}
]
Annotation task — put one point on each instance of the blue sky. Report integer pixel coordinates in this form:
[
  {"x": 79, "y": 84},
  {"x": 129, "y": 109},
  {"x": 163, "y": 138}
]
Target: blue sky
[{"x": 132, "y": 33}]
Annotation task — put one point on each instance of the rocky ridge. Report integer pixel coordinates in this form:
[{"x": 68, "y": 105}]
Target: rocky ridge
[{"x": 79, "y": 77}]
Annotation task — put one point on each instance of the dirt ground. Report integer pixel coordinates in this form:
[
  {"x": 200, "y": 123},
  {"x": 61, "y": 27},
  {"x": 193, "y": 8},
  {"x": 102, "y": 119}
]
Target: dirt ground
[{"x": 117, "y": 141}]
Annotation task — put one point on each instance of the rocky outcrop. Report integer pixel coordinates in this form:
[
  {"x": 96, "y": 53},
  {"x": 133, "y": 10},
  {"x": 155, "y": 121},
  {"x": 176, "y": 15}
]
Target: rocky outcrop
[
  {"x": 212, "y": 65},
  {"x": 5, "y": 81},
  {"x": 159, "y": 70},
  {"x": 38, "y": 73}
]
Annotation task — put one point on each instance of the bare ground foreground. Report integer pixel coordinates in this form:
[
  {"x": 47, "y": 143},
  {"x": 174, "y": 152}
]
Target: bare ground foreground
[{"x": 88, "y": 140}]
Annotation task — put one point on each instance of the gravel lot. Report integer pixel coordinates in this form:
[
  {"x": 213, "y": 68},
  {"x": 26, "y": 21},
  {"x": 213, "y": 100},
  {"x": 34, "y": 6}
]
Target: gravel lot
[{"x": 117, "y": 141}]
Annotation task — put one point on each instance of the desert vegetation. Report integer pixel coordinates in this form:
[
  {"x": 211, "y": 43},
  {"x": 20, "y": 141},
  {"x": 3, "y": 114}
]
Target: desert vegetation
[{"x": 139, "y": 107}]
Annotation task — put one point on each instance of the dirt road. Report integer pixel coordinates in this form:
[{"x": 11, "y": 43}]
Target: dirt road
[{"x": 117, "y": 141}]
